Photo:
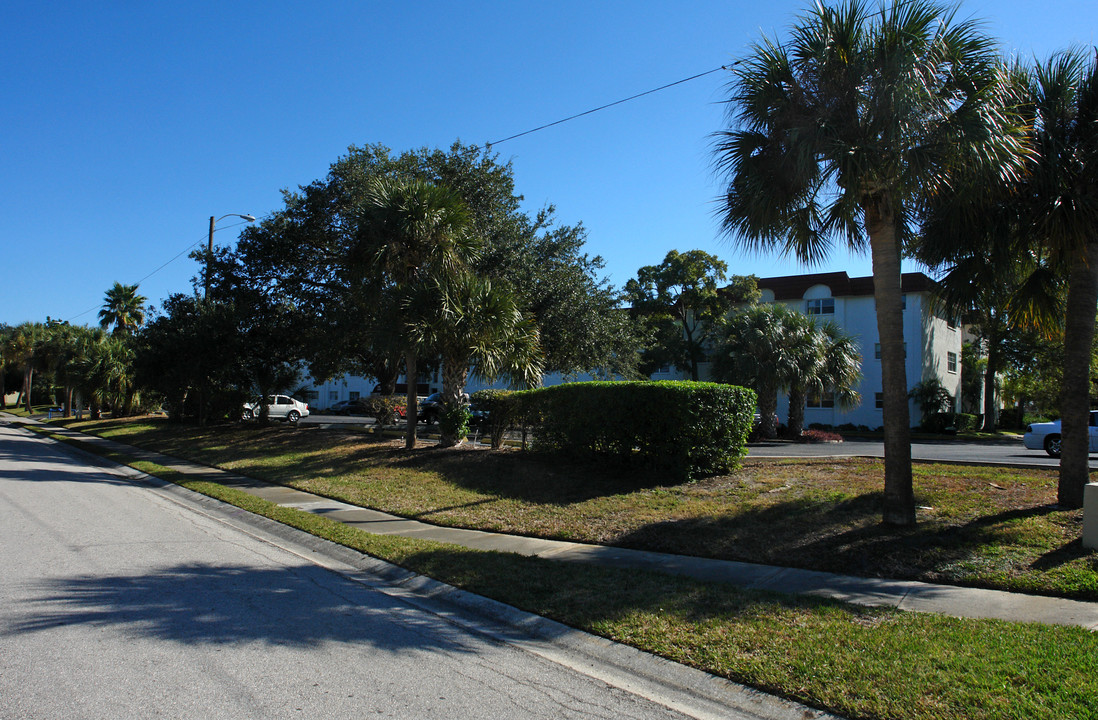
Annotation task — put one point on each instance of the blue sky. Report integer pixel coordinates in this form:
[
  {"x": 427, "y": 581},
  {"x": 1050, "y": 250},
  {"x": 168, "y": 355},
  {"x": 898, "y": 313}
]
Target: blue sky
[{"x": 126, "y": 125}]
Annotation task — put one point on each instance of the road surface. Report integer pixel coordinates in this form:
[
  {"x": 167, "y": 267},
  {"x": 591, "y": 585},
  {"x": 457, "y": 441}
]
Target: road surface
[
  {"x": 984, "y": 453},
  {"x": 119, "y": 601}
]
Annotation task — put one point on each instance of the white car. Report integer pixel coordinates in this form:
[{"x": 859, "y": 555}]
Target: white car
[
  {"x": 1046, "y": 436},
  {"x": 281, "y": 407}
]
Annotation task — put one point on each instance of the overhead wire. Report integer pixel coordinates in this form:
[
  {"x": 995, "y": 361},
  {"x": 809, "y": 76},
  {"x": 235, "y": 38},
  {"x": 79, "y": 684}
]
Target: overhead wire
[
  {"x": 205, "y": 236},
  {"x": 489, "y": 145}
]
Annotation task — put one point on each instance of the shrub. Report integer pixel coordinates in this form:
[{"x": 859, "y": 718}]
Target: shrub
[
  {"x": 683, "y": 428},
  {"x": 453, "y": 420},
  {"x": 939, "y": 422},
  {"x": 819, "y": 436},
  {"x": 383, "y": 408},
  {"x": 496, "y": 413},
  {"x": 966, "y": 422}
]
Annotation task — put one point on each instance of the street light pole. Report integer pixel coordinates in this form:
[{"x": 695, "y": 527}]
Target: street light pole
[{"x": 210, "y": 245}]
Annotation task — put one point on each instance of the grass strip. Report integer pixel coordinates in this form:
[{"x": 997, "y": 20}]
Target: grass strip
[
  {"x": 857, "y": 662},
  {"x": 978, "y": 526}
]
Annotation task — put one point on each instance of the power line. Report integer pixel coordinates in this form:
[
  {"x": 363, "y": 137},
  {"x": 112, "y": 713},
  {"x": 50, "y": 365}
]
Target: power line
[
  {"x": 616, "y": 102},
  {"x": 205, "y": 237}
]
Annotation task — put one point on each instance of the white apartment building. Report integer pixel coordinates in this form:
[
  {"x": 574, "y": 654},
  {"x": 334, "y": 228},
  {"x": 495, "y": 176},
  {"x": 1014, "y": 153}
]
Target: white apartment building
[{"x": 933, "y": 344}]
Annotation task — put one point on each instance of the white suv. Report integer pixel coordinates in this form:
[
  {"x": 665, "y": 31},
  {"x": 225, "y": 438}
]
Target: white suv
[{"x": 281, "y": 407}]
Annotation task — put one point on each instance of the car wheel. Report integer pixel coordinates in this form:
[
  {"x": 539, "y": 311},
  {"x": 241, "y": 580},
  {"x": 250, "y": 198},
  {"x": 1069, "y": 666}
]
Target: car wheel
[
  {"x": 1052, "y": 445},
  {"x": 293, "y": 416},
  {"x": 246, "y": 415}
]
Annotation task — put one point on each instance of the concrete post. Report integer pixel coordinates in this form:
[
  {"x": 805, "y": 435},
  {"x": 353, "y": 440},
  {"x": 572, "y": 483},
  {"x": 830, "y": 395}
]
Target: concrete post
[{"x": 1090, "y": 516}]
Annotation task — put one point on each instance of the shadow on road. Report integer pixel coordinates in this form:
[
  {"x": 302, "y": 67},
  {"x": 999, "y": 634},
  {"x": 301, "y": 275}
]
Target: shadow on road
[{"x": 202, "y": 604}]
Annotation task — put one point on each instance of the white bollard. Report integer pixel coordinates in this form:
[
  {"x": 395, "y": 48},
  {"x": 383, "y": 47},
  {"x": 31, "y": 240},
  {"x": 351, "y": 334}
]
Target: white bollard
[{"x": 1090, "y": 516}]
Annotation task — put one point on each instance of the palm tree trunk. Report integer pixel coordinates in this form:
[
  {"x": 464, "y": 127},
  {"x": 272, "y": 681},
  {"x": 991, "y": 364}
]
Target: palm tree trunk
[
  {"x": 1075, "y": 401},
  {"x": 994, "y": 353},
  {"x": 899, "y": 497},
  {"x": 411, "y": 402},
  {"x": 28, "y": 379},
  {"x": 768, "y": 406},
  {"x": 795, "y": 424},
  {"x": 454, "y": 375}
]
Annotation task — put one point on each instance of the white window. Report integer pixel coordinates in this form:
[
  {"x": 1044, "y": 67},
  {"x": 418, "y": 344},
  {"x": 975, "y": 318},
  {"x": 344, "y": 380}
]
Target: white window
[
  {"x": 818, "y": 400},
  {"x": 333, "y": 394},
  {"x": 353, "y": 395},
  {"x": 951, "y": 362},
  {"x": 820, "y": 306}
]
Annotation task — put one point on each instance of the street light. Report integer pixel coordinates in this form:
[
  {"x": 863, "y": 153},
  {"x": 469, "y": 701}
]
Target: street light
[{"x": 210, "y": 246}]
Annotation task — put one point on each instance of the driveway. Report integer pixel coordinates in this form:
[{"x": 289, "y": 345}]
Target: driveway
[{"x": 999, "y": 452}]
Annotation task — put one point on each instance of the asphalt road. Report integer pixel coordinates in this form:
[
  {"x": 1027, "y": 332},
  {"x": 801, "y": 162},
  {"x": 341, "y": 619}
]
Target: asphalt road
[
  {"x": 119, "y": 600},
  {"x": 1006, "y": 453}
]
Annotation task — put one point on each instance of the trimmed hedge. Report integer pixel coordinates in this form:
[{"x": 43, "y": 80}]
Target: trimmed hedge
[{"x": 685, "y": 429}]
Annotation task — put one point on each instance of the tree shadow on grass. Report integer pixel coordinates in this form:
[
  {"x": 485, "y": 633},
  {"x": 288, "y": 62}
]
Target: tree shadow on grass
[{"x": 843, "y": 537}]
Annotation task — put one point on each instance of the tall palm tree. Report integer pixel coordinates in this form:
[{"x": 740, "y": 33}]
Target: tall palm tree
[
  {"x": 840, "y": 132},
  {"x": 123, "y": 308},
  {"x": 824, "y": 359},
  {"x": 472, "y": 323},
  {"x": 412, "y": 233},
  {"x": 1062, "y": 191}
]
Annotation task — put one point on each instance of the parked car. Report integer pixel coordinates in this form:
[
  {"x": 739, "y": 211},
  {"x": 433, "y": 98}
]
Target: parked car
[
  {"x": 342, "y": 407},
  {"x": 1046, "y": 436},
  {"x": 429, "y": 409},
  {"x": 280, "y": 407}
]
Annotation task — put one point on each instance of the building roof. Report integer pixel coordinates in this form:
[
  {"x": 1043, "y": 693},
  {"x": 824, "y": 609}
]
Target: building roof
[{"x": 793, "y": 287}]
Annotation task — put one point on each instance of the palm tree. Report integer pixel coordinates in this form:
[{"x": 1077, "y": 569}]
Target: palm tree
[
  {"x": 469, "y": 321},
  {"x": 1062, "y": 191},
  {"x": 123, "y": 308},
  {"x": 999, "y": 281},
  {"x": 753, "y": 350},
  {"x": 839, "y": 134},
  {"x": 823, "y": 359},
  {"x": 413, "y": 233},
  {"x": 105, "y": 372},
  {"x": 23, "y": 350}
]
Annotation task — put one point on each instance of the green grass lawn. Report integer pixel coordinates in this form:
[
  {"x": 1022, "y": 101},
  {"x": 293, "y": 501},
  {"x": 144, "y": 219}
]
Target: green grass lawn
[
  {"x": 857, "y": 662},
  {"x": 977, "y": 526}
]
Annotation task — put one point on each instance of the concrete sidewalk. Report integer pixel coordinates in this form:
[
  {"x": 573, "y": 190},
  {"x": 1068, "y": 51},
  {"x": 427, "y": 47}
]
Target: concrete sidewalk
[{"x": 901, "y": 594}]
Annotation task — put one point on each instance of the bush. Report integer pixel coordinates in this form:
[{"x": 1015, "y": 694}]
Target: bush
[
  {"x": 939, "y": 422},
  {"x": 966, "y": 422},
  {"x": 496, "y": 413},
  {"x": 819, "y": 436},
  {"x": 687, "y": 429},
  {"x": 383, "y": 408},
  {"x": 453, "y": 420}
]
